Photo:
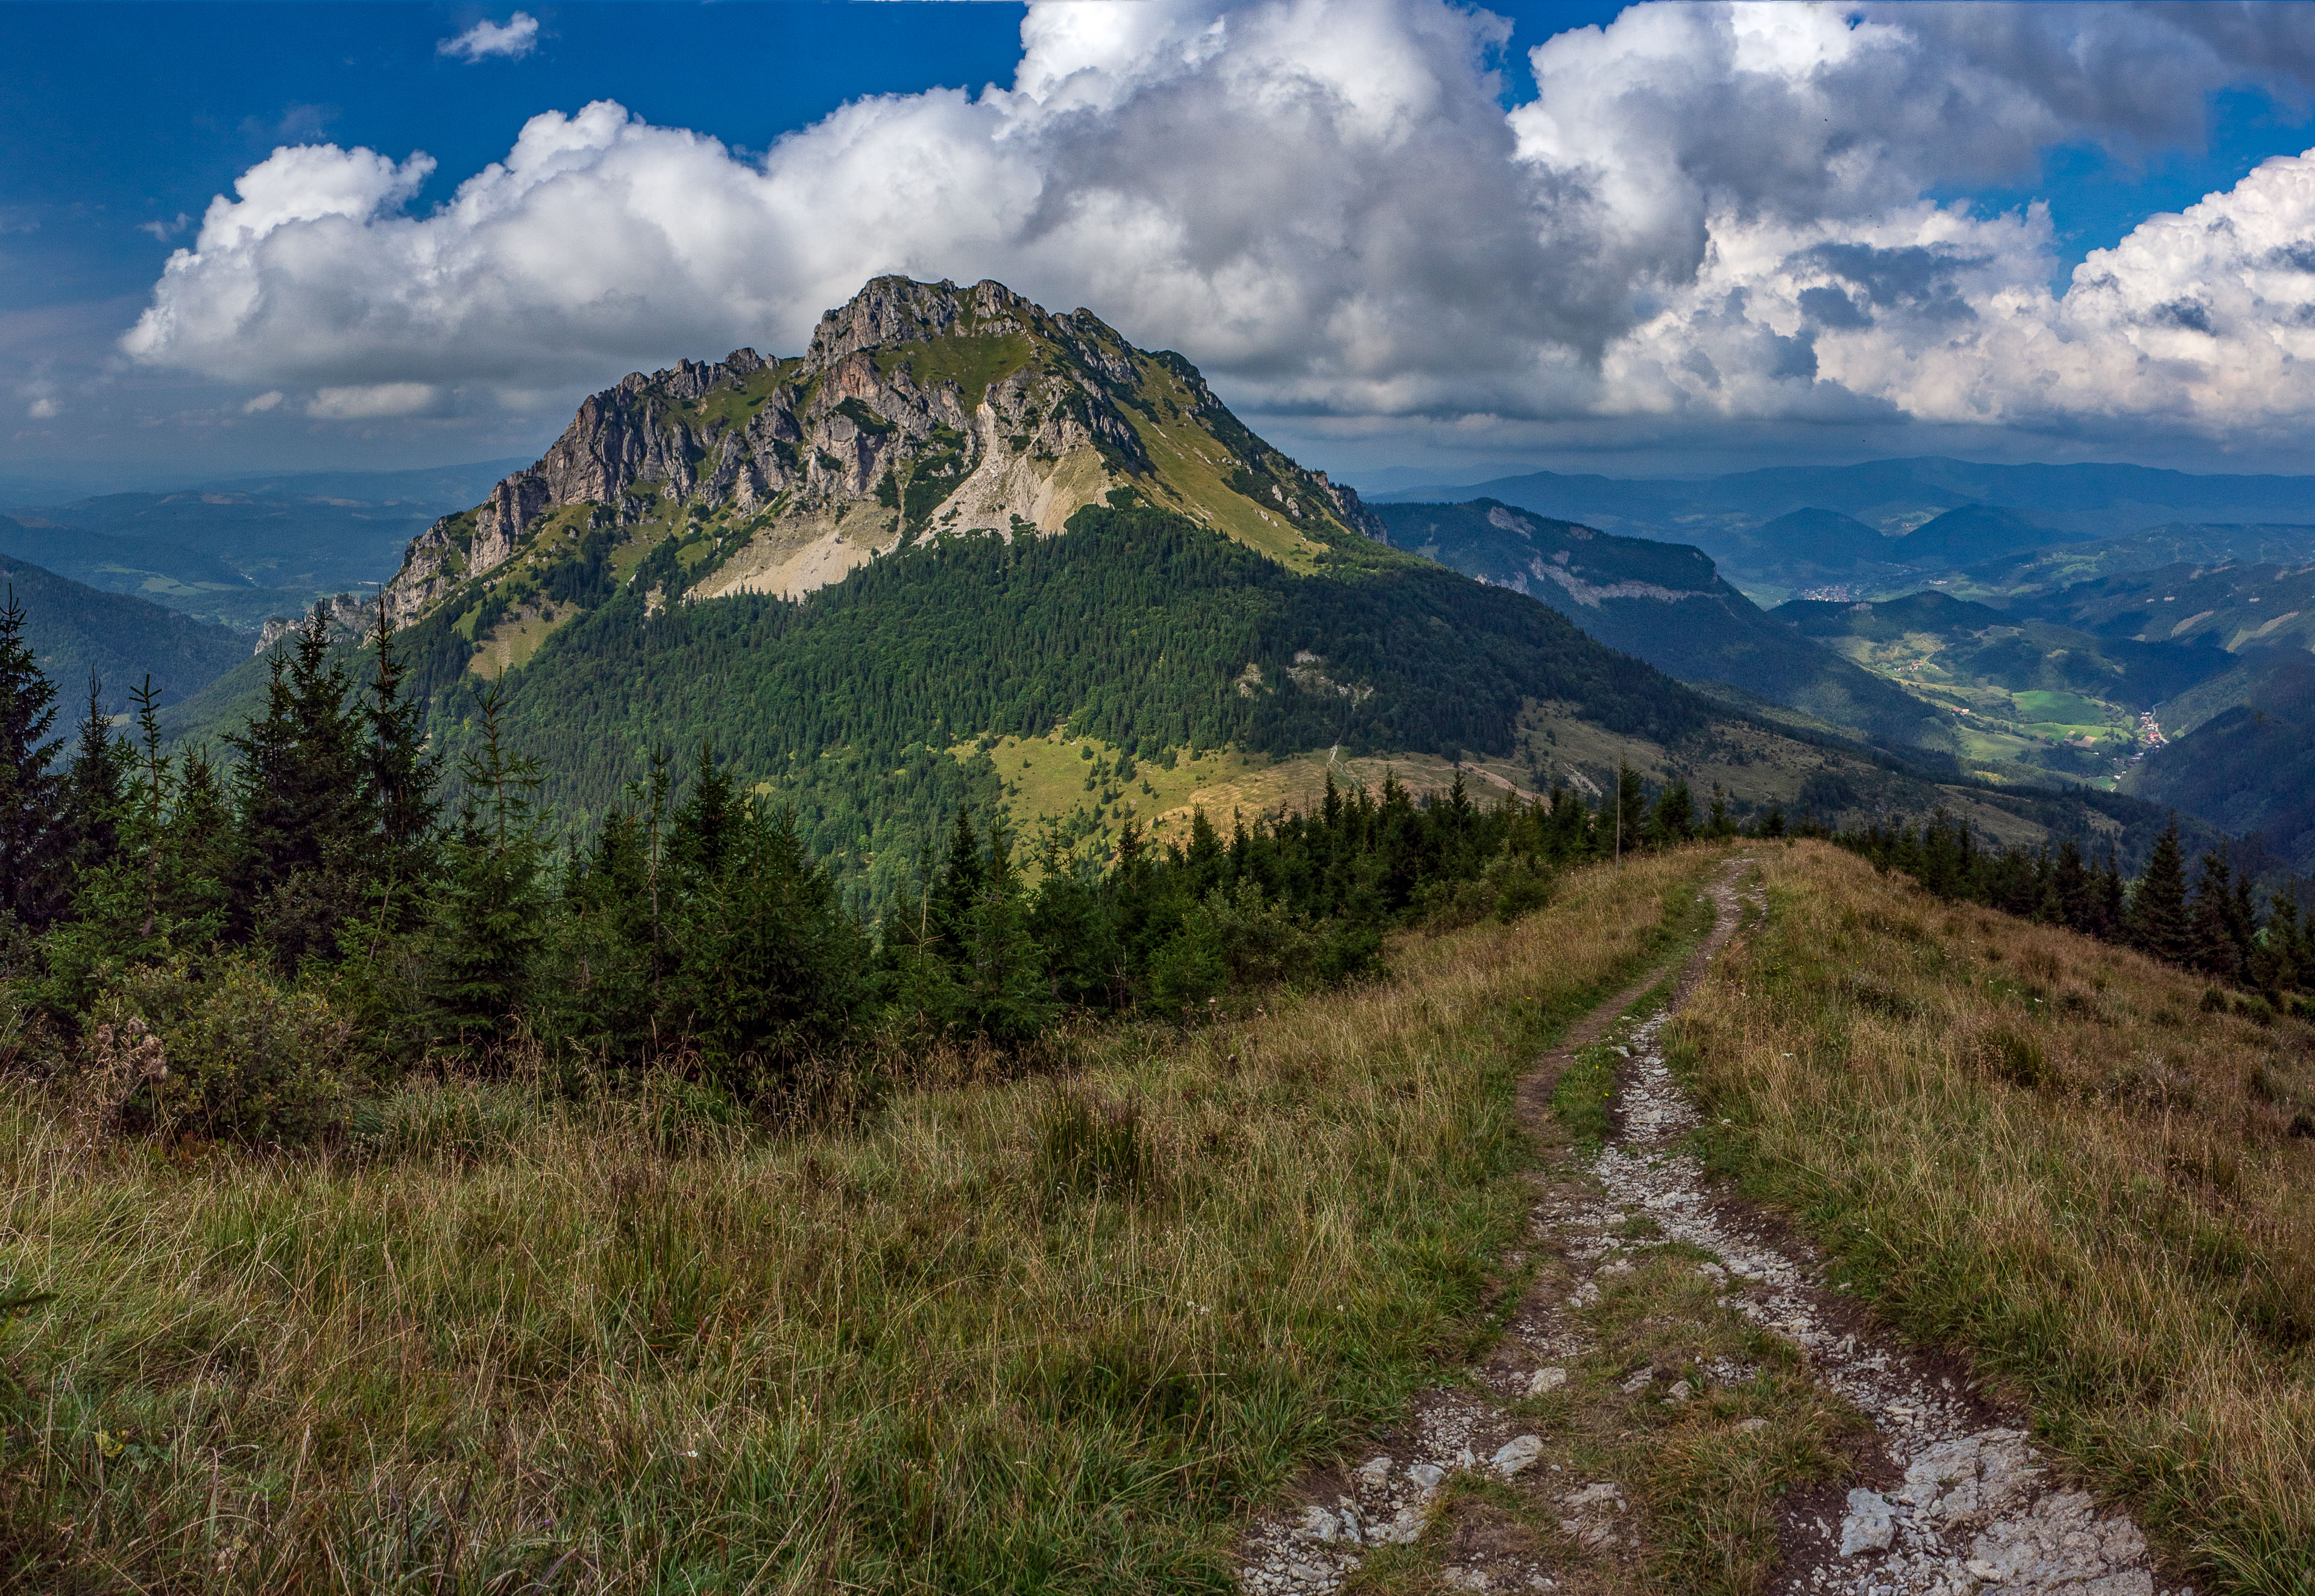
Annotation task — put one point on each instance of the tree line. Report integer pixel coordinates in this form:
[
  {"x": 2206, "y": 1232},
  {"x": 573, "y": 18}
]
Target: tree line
[{"x": 2215, "y": 925}]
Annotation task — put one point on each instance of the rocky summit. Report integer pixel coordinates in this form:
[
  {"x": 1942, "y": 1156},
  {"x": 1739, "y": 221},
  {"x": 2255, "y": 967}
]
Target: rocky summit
[{"x": 918, "y": 409}]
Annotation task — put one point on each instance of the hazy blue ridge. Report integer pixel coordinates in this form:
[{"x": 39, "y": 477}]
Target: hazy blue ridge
[{"x": 2132, "y": 498}]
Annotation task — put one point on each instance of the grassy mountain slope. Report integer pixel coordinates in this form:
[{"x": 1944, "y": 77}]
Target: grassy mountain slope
[
  {"x": 74, "y": 629},
  {"x": 2055, "y": 1160},
  {"x": 938, "y": 1346},
  {"x": 1665, "y": 604}
]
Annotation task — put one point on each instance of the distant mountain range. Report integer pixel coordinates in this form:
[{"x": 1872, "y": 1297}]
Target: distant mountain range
[
  {"x": 2089, "y": 500},
  {"x": 1666, "y": 604},
  {"x": 243, "y": 550},
  {"x": 1779, "y": 530},
  {"x": 2171, "y": 661}
]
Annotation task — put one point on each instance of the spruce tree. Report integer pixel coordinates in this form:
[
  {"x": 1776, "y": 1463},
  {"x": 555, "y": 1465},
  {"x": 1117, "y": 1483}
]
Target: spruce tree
[
  {"x": 490, "y": 925},
  {"x": 198, "y": 850},
  {"x": 124, "y": 904},
  {"x": 2112, "y": 911},
  {"x": 947, "y": 905},
  {"x": 1204, "y": 854},
  {"x": 609, "y": 980},
  {"x": 2158, "y": 923},
  {"x": 712, "y": 812},
  {"x": 2274, "y": 964},
  {"x": 1627, "y": 805},
  {"x": 307, "y": 849},
  {"x": 2242, "y": 919},
  {"x": 2214, "y": 949},
  {"x": 30, "y": 886},
  {"x": 401, "y": 776},
  {"x": 1718, "y": 823},
  {"x": 93, "y": 794},
  {"x": 1673, "y": 818},
  {"x": 2073, "y": 891},
  {"x": 773, "y": 970},
  {"x": 149, "y": 814},
  {"x": 1007, "y": 995}
]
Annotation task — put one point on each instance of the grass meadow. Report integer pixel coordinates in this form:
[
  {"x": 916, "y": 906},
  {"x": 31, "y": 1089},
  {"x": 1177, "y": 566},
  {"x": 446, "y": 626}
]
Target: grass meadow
[
  {"x": 2089, "y": 1172},
  {"x": 1057, "y": 1333}
]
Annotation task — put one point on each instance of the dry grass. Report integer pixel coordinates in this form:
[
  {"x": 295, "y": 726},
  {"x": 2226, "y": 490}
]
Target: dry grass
[
  {"x": 1025, "y": 1336},
  {"x": 2065, "y": 1160}
]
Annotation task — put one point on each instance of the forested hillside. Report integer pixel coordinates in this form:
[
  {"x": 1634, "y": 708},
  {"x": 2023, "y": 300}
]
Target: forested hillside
[
  {"x": 2251, "y": 767},
  {"x": 74, "y": 631},
  {"x": 958, "y": 519},
  {"x": 1135, "y": 627}
]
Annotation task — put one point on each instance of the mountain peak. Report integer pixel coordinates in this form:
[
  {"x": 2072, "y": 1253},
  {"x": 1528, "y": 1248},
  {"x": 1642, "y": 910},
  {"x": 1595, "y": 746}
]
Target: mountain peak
[
  {"x": 917, "y": 409},
  {"x": 900, "y": 310}
]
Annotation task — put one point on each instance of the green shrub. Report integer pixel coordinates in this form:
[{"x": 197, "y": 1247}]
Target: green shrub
[
  {"x": 1521, "y": 889},
  {"x": 1237, "y": 940},
  {"x": 248, "y": 1056}
]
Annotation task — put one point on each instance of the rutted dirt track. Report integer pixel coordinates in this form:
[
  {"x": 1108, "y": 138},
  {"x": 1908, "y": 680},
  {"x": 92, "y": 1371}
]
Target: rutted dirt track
[{"x": 1952, "y": 1498}]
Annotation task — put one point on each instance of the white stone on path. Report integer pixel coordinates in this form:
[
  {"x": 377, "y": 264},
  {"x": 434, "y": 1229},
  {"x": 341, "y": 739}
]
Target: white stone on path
[
  {"x": 1517, "y": 1455},
  {"x": 1870, "y": 1526}
]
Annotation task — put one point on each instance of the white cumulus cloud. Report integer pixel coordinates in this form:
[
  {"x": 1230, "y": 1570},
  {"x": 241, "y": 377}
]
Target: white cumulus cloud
[
  {"x": 1706, "y": 212},
  {"x": 512, "y": 40}
]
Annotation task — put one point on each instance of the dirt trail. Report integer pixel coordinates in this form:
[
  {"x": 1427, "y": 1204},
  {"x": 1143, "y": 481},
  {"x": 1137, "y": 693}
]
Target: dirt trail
[{"x": 1952, "y": 1500}]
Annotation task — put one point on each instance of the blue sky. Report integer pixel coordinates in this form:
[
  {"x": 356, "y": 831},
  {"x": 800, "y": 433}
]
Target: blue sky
[{"x": 118, "y": 123}]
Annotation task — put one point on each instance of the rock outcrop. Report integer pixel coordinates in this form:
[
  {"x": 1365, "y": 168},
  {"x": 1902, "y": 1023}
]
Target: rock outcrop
[{"x": 349, "y": 617}]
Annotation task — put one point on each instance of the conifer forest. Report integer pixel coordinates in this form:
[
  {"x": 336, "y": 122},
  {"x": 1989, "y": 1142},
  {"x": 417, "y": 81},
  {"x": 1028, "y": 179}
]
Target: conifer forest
[{"x": 307, "y": 917}]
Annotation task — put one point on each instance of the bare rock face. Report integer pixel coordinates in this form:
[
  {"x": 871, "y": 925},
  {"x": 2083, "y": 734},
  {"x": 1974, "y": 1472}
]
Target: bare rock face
[
  {"x": 349, "y": 617},
  {"x": 918, "y": 408}
]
